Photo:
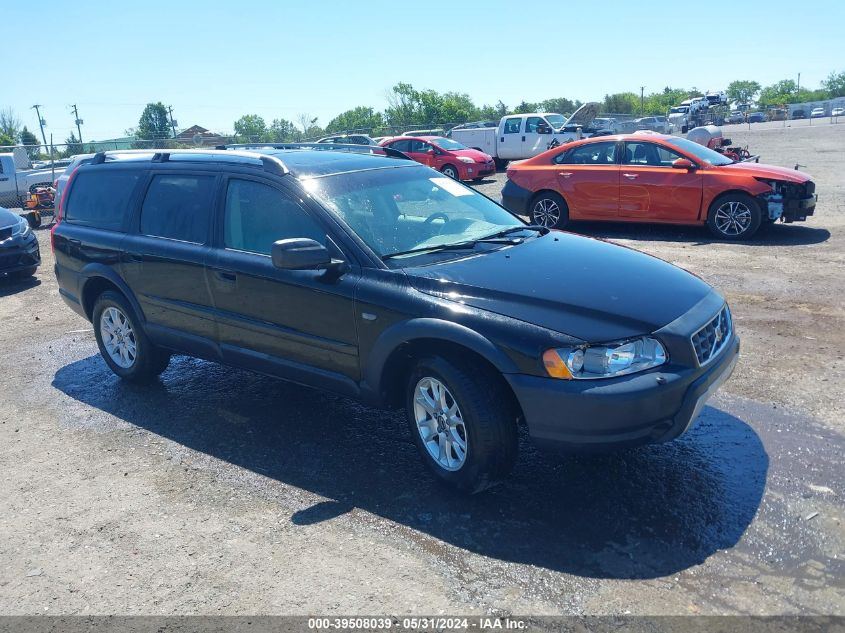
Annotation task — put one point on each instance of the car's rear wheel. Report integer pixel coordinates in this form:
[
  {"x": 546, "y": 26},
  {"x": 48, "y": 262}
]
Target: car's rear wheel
[
  {"x": 549, "y": 209},
  {"x": 734, "y": 216},
  {"x": 122, "y": 341},
  {"x": 464, "y": 429},
  {"x": 451, "y": 171}
]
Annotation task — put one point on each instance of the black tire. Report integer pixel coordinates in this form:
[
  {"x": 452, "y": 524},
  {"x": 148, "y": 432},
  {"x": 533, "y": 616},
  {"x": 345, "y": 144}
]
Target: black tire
[
  {"x": 149, "y": 361},
  {"x": 734, "y": 216},
  {"x": 500, "y": 163},
  {"x": 26, "y": 272},
  {"x": 33, "y": 219},
  {"x": 451, "y": 171},
  {"x": 549, "y": 209},
  {"x": 489, "y": 423}
]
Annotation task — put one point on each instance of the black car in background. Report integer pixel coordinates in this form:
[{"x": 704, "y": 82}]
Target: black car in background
[
  {"x": 799, "y": 114},
  {"x": 19, "y": 254},
  {"x": 381, "y": 279}
]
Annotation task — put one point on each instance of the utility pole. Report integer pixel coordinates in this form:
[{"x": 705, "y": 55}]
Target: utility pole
[
  {"x": 78, "y": 122},
  {"x": 172, "y": 122},
  {"x": 642, "y": 98},
  {"x": 40, "y": 122},
  {"x": 798, "y": 90}
]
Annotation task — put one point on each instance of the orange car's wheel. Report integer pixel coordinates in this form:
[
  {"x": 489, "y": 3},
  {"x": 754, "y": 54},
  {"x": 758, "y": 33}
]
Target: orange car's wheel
[
  {"x": 734, "y": 216},
  {"x": 549, "y": 209}
]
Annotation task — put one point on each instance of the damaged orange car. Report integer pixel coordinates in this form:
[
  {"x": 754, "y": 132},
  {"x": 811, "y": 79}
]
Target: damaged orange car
[{"x": 655, "y": 178}]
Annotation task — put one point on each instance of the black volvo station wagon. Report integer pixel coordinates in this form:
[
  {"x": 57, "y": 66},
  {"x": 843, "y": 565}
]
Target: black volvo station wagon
[{"x": 380, "y": 279}]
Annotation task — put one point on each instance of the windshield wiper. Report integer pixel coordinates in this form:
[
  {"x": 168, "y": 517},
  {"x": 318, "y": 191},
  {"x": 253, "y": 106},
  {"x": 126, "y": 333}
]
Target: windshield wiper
[
  {"x": 495, "y": 238},
  {"x": 514, "y": 229}
]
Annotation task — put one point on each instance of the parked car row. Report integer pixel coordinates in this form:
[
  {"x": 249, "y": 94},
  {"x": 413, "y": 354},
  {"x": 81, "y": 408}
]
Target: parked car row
[{"x": 380, "y": 279}]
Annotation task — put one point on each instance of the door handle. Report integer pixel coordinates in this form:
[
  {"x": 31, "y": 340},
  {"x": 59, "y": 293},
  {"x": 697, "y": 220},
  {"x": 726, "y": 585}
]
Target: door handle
[
  {"x": 630, "y": 176},
  {"x": 75, "y": 242},
  {"x": 565, "y": 174},
  {"x": 523, "y": 139},
  {"x": 225, "y": 275},
  {"x": 3, "y": 179},
  {"x": 503, "y": 140}
]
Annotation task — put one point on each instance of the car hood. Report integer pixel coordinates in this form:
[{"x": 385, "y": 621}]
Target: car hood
[
  {"x": 583, "y": 287},
  {"x": 773, "y": 172},
  {"x": 584, "y": 115},
  {"x": 474, "y": 154}
]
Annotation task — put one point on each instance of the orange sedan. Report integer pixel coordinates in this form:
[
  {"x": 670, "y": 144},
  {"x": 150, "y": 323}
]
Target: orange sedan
[{"x": 655, "y": 178}]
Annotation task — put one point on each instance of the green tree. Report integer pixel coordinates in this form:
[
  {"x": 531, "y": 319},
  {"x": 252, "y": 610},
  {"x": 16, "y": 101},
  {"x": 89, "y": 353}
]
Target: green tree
[
  {"x": 153, "y": 127},
  {"x": 250, "y": 128},
  {"x": 621, "y": 103},
  {"x": 31, "y": 141},
  {"x": 310, "y": 129},
  {"x": 525, "y": 107},
  {"x": 835, "y": 84},
  {"x": 6, "y": 140},
  {"x": 10, "y": 124},
  {"x": 409, "y": 106},
  {"x": 561, "y": 105},
  {"x": 783, "y": 91},
  {"x": 362, "y": 118},
  {"x": 283, "y": 131},
  {"x": 742, "y": 90},
  {"x": 73, "y": 146}
]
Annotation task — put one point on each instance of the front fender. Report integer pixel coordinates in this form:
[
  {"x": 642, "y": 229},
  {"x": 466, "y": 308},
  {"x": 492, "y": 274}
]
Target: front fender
[{"x": 426, "y": 328}]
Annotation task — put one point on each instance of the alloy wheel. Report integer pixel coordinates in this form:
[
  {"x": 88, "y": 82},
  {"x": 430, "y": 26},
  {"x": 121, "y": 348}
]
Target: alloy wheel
[
  {"x": 118, "y": 337},
  {"x": 440, "y": 424},
  {"x": 546, "y": 213},
  {"x": 732, "y": 218}
]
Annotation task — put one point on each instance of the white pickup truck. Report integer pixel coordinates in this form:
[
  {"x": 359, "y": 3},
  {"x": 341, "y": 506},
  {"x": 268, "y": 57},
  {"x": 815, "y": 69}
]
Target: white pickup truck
[
  {"x": 16, "y": 181},
  {"x": 520, "y": 136}
]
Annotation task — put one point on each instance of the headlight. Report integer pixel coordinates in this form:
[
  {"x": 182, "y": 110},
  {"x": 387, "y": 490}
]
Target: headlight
[
  {"x": 604, "y": 361},
  {"x": 466, "y": 159},
  {"x": 21, "y": 228}
]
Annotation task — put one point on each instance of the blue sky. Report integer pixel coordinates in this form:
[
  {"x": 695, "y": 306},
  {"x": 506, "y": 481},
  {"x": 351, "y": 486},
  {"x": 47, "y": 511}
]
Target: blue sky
[{"x": 214, "y": 61}]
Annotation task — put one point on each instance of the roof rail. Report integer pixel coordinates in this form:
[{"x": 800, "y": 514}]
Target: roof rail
[
  {"x": 338, "y": 147},
  {"x": 270, "y": 164}
]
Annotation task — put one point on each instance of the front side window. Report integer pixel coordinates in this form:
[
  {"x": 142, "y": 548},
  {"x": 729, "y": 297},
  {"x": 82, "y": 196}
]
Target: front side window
[
  {"x": 418, "y": 147},
  {"x": 589, "y": 154},
  {"x": 178, "y": 208},
  {"x": 532, "y": 123},
  {"x": 402, "y": 146},
  {"x": 512, "y": 125},
  {"x": 256, "y": 215},
  {"x": 649, "y": 154}
]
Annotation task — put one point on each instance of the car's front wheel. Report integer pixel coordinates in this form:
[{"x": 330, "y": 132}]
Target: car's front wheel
[
  {"x": 734, "y": 216},
  {"x": 451, "y": 171},
  {"x": 122, "y": 342},
  {"x": 463, "y": 427},
  {"x": 549, "y": 209}
]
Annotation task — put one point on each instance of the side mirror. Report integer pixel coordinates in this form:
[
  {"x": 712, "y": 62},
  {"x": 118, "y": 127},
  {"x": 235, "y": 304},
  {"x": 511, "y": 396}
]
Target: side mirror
[
  {"x": 544, "y": 129},
  {"x": 300, "y": 253},
  {"x": 683, "y": 163},
  {"x": 430, "y": 150}
]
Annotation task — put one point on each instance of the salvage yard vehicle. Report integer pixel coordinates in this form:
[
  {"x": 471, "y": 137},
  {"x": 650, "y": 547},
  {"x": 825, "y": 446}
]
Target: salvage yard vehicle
[
  {"x": 354, "y": 139},
  {"x": 816, "y": 113},
  {"x": 380, "y": 279},
  {"x": 521, "y": 136},
  {"x": 16, "y": 183},
  {"x": 445, "y": 155},
  {"x": 656, "y": 178},
  {"x": 19, "y": 254}
]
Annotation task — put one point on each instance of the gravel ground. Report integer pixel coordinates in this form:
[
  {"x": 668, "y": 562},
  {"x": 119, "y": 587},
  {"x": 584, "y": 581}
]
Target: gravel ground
[{"x": 217, "y": 491}]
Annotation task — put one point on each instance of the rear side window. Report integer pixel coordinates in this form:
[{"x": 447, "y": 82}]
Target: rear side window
[
  {"x": 512, "y": 125},
  {"x": 589, "y": 154},
  {"x": 101, "y": 198},
  {"x": 178, "y": 208}
]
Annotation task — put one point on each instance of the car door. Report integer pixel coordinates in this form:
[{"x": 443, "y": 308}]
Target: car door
[
  {"x": 510, "y": 139},
  {"x": 533, "y": 142},
  {"x": 165, "y": 255},
  {"x": 297, "y": 324},
  {"x": 422, "y": 152},
  {"x": 651, "y": 189},
  {"x": 587, "y": 176}
]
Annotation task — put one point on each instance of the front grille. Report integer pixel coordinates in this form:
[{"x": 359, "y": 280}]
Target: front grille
[{"x": 712, "y": 338}]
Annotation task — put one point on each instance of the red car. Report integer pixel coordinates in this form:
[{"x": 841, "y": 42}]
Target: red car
[
  {"x": 655, "y": 178},
  {"x": 445, "y": 155}
]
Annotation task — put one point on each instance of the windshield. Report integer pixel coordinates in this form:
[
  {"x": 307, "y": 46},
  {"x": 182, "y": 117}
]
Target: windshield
[
  {"x": 679, "y": 110},
  {"x": 447, "y": 143},
  {"x": 400, "y": 209},
  {"x": 555, "y": 120},
  {"x": 704, "y": 154}
]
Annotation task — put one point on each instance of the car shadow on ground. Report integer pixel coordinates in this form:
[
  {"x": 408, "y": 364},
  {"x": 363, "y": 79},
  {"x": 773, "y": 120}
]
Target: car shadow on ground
[
  {"x": 768, "y": 235},
  {"x": 12, "y": 285},
  {"x": 644, "y": 513}
]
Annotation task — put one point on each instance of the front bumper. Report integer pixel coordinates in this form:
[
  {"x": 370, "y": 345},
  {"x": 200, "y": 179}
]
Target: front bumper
[
  {"x": 797, "y": 209},
  {"x": 471, "y": 171},
  {"x": 19, "y": 254},
  {"x": 647, "y": 408}
]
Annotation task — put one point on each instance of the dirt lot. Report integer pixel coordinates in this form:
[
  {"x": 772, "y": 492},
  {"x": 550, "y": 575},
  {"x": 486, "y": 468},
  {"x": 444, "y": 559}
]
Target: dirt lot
[{"x": 220, "y": 492}]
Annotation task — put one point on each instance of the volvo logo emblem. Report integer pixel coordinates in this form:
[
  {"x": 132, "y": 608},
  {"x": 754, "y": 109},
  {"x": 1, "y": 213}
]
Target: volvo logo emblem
[{"x": 718, "y": 335}]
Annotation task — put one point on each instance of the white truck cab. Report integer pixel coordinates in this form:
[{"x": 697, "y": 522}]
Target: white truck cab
[
  {"x": 16, "y": 180},
  {"x": 520, "y": 136}
]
